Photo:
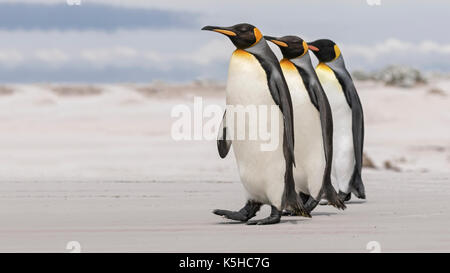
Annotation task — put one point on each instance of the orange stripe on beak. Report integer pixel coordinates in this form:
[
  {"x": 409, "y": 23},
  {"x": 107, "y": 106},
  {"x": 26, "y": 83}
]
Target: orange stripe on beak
[
  {"x": 226, "y": 32},
  {"x": 313, "y": 48},
  {"x": 280, "y": 43}
]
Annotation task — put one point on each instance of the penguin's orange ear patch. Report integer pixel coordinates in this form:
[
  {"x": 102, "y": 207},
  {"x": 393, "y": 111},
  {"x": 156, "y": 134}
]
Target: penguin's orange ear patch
[
  {"x": 313, "y": 48},
  {"x": 305, "y": 48},
  {"x": 258, "y": 34},
  {"x": 337, "y": 51}
]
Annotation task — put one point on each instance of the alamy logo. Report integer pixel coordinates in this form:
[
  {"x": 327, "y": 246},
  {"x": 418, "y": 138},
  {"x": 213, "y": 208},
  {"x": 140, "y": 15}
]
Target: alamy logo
[
  {"x": 374, "y": 2},
  {"x": 374, "y": 247},
  {"x": 74, "y": 247},
  {"x": 73, "y": 2},
  {"x": 259, "y": 123}
]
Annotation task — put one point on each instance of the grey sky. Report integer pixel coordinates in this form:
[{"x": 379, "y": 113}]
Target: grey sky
[
  {"x": 46, "y": 40},
  {"x": 89, "y": 17}
]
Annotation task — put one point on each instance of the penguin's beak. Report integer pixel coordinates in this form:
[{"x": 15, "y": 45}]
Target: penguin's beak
[
  {"x": 276, "y": 41},
  {"x": 224, "y": 30},
  {"x": 313, "y": 48}
]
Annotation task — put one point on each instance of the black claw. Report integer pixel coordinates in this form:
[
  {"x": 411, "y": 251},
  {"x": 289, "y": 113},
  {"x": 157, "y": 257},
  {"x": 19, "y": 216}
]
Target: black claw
[
  {"x": 300, "y": 210},
  {"x": 288, "y": 213},
  {"x": 339, "y": 205},
  {"x": 307, "y": 215}
]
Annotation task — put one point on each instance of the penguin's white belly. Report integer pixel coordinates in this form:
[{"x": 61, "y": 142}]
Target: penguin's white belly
[
  {"x": 309, "y": 149},
  {"x": 343, "y": 153},
  {"x": 262, "y": 172}
]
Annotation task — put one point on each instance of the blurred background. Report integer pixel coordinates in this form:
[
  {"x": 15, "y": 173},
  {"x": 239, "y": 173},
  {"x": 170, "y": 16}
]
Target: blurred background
[
  {"x": 142, "y": 41},
  {"x": 87, "y": 87}
]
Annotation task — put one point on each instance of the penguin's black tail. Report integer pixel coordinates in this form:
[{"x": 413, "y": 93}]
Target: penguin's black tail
[{"x": 357, "y": 186}]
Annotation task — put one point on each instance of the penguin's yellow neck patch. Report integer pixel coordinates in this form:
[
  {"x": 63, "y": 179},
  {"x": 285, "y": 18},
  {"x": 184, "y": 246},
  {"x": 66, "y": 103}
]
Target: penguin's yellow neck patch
[
  {"x": 327, "y": 77},
  {"x": 337, "y": 52},
  {"x": 258, "y": 36},
  {"x": 242, "y": 54},
  {"x": 305, "y": 48},
  {"x": 287, "y": 65},
  {"x": 324, "y": 67}
]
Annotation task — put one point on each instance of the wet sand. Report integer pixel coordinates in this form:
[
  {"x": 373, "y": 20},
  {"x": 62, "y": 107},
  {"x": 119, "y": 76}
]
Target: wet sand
[{"x": 172, "y": 216}]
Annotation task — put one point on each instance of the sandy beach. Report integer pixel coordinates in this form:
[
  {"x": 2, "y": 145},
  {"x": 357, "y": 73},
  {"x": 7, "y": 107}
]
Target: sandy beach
[{"x": 98, "y": 165}]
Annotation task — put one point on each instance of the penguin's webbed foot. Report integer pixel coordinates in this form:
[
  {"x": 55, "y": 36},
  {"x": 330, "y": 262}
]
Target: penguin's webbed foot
[
  {"x": 339, "y": 204},
  {"x": 302, "y": 211},
  {"x": 232, "y": 215},
  {"x": 247, "y": 212},
  {"x": 311, "y": 204},
  {"x": 344, "y": 197},
  {"x": 288, "y": 213},
  {"x": 298, "y": 208},
  {"x": 274, "y": 218},
  {"x": 335, "y": 200}
]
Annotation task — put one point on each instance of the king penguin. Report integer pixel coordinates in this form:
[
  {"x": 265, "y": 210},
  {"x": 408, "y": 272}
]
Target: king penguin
[
  {"x": 348, "y": 118},
  {"x": 313, "y": 124},
  {"x": 255, "y": 78}
]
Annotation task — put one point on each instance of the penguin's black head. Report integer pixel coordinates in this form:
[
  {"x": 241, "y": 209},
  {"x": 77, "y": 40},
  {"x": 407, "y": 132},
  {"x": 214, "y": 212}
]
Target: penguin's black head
[
  {"x": 325, "y": 50},
  {"x": 242, "y": 35},
  {"x": 291, "y": 46}
]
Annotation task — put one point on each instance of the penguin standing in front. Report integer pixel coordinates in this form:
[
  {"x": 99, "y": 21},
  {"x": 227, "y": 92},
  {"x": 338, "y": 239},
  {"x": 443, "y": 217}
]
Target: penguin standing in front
[
  {"x": 348, "y": 119},
  {"x": 313, "y": 124},
  {"x": 255, "y": 78}
]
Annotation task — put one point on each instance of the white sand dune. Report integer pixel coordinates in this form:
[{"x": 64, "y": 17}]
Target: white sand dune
[{"x": 100, "y": 167}]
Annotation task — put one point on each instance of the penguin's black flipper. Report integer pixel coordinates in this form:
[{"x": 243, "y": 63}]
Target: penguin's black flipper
[
  {"x": 280, "y": 93},
  {"x": 356, "y": 185},
  {"x": 310, "y": 80},
  {"x": 288, "y": 113},
  {"x": 223, "y": 143},
  {"x": 281, "y": 96}
]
